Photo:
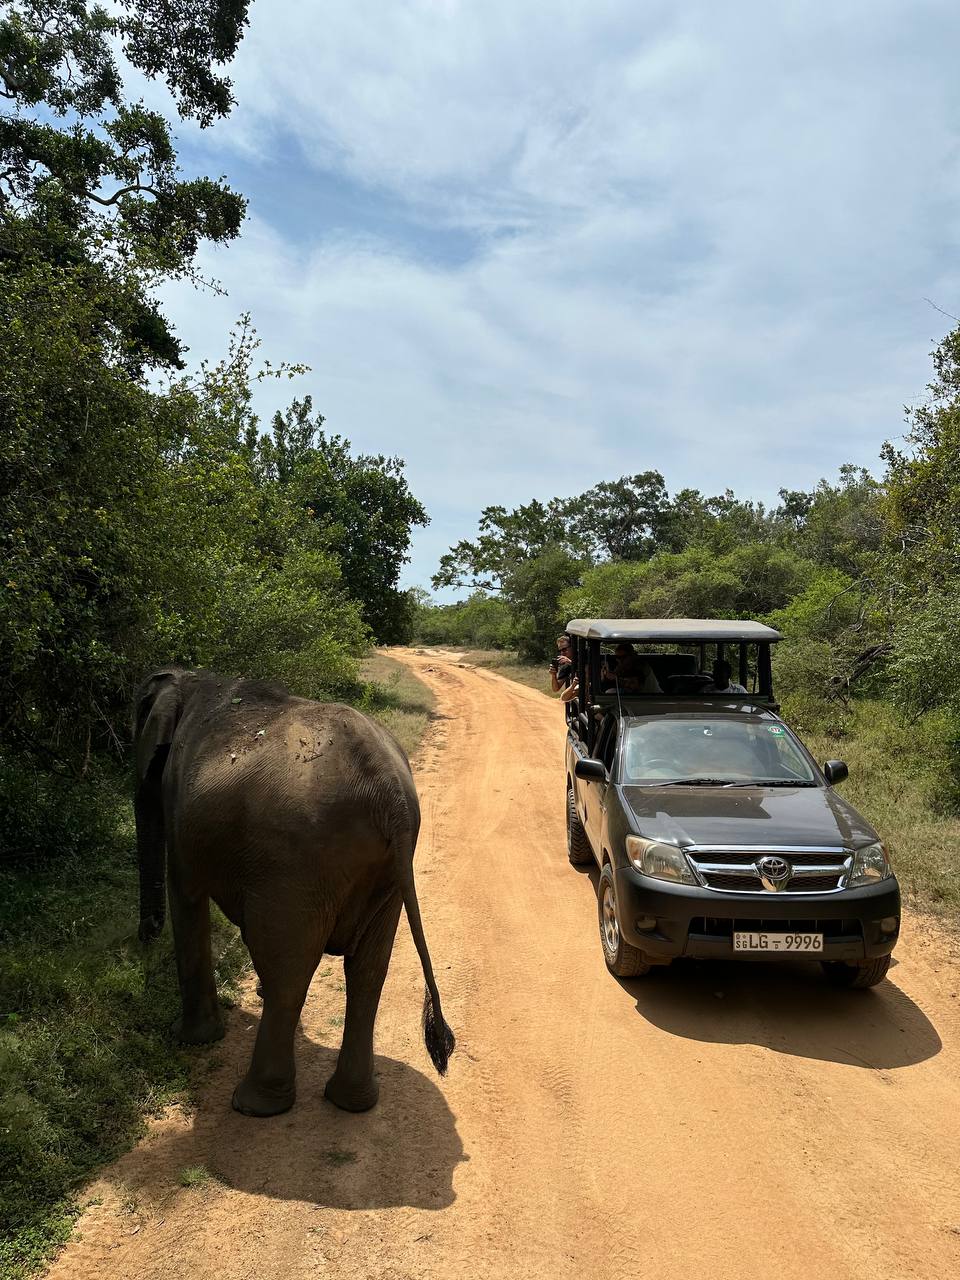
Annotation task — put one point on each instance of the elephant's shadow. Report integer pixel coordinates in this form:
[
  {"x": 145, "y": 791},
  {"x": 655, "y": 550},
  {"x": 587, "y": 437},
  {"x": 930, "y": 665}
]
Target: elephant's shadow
[{"x": 403, "y": 1152}]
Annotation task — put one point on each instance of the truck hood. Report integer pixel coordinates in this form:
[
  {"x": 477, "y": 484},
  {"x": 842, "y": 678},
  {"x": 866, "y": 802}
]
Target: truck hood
[{"x": 750, "y": 816}]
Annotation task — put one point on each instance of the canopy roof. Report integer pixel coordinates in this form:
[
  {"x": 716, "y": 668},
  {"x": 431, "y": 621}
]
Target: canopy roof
[{"x": 673, "y": 630}]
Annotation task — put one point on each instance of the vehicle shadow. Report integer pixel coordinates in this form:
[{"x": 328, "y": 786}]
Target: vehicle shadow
[
  {"x": 402, "y": 1153},
  {"x": 788, "y": 1007}
]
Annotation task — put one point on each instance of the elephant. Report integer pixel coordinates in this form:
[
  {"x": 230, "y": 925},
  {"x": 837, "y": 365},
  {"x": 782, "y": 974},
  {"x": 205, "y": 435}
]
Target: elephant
[{"x": 299, "y": 819}]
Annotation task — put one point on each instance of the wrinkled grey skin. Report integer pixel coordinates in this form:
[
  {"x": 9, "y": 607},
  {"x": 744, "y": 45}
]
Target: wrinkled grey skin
[{"x": 299, "y": 819}]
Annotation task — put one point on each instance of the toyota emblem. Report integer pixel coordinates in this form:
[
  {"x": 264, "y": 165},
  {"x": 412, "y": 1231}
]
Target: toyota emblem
[{"x": 774, "y": 873}]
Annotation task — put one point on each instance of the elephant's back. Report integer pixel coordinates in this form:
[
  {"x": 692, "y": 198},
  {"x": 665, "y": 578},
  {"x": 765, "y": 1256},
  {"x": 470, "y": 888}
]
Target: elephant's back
[{"x": 295, "y": 765}]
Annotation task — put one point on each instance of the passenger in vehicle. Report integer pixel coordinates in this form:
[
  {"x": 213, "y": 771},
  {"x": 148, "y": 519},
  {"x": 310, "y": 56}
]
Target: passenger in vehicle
[
  {"x": 722, "y": 671},
  {"x": 608, "y": 673},
  {"x": 562, "y": 670},
  {"x": 633, "y": 673}
]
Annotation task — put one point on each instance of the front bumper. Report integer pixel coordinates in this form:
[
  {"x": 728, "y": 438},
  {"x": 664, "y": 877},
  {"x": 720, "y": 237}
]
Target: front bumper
[{"x": 692, "y": 921}]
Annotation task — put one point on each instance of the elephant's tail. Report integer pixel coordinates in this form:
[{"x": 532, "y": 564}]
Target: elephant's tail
[{"x": 437, "y": 1036}]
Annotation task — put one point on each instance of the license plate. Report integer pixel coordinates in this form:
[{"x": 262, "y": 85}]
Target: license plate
[{"x": 795, "y": 942}]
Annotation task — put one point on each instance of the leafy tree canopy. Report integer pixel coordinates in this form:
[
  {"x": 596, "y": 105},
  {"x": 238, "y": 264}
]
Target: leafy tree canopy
[
  {"x": 87, "y": 175},
  {"x": 362, "y": 502}
]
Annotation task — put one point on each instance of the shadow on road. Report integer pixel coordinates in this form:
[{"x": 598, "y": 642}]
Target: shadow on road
[
  {"x": 403, "y": 1152},
  {"x": 787, "y": 1007}
]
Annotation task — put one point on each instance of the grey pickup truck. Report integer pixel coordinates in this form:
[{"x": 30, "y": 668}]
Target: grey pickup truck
[{"x": 715, "y": 832}]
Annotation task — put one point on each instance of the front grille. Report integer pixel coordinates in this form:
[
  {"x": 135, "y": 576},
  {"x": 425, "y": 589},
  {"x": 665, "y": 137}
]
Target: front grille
[
  {"x": 747, "y": 857},
  {"x": 816, "y": 884},
  {"x": 711, "y": 927},
  {"x": 733, "y": 880},
  {"x": 737, "y": 871}
]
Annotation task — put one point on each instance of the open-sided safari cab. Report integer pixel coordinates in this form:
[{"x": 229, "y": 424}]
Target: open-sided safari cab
[{"x": 715, "y": 831}]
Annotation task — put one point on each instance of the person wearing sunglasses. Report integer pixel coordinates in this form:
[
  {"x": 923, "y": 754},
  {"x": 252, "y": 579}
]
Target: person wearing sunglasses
[{"x": 562, "y": 670}]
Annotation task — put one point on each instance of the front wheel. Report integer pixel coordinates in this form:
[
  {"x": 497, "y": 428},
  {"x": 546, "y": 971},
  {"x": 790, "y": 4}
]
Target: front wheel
[
  {"x": 866, "y": 974},
  {"x": 623, "y": 960},
  {"x": 578, "y": 844}
]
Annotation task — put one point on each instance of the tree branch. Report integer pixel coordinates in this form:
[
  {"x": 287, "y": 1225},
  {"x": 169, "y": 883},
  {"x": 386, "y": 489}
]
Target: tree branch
[
  {"x": 948, "y": 314},
  {"x": 134, "y": 186}
]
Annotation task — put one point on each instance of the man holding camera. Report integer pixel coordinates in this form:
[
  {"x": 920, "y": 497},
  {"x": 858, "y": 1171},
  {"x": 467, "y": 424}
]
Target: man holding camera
[{"x": 562, "y": 670}]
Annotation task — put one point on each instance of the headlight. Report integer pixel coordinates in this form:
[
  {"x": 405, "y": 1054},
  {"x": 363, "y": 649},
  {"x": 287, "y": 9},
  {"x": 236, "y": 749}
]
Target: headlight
[
  {"x": 870, "y": 864},
  {"x": 662, "y": 861}
]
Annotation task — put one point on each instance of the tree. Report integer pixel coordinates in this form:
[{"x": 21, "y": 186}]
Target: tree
[
  {"x": 622, "y": 519},
  {"x": 533, "y": 591},
  {"x": 839, "y": 525},
  {"x": 90, "y": 179},
  {"x": 112, "y": 161},
  {"x": 479, "y": 622},
  {"x": 134, "y": 533},
  {"x": 362, "y": 503},
  {"x": 918, "y": 576},
  {"x": 746, "y": 582},
  {"x": 506, "y": 540}
]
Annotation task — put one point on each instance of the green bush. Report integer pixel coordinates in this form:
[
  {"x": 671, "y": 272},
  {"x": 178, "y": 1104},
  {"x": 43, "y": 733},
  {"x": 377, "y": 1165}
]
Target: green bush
[
  {"x": 748, "y": 581},
  {"x": 904, "y": 775},
  {"x": 480, "y": 622},
  {"x": 46, "y": 816},
  {"x": 85, "y": 1011},
  {"x": 925, "y": 666}
]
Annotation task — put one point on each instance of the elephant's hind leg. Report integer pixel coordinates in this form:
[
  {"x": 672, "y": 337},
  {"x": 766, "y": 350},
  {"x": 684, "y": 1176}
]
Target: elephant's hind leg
[
  {"x": 201, "y": 1020},
  {"x": 352, "y": 1086},
  {"x": 286, "y": 965}
]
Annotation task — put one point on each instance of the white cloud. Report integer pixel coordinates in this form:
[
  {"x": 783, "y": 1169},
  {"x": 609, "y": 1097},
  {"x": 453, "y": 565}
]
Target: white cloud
[{"x": 706, "y": 233}]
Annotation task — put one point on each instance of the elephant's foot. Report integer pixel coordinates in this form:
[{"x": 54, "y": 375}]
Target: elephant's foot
[
  {"x": 253, "y": 1100},
  {"x": 349, "y": 1096},
  {"x": 199, "y": 1030}
]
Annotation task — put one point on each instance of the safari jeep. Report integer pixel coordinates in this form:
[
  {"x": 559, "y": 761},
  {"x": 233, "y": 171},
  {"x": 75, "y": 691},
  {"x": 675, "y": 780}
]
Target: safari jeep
[{"x": 716, "y": 833}]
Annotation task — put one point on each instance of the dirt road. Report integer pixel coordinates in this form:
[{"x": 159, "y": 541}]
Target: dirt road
[{"x": 710, "y": 1120}]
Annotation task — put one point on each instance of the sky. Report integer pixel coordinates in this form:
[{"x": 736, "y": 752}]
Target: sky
[{"x": 530, "y": 246}]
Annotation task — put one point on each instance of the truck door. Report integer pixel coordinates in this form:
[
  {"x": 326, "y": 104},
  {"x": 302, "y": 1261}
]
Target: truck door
[{"x": 596, "y": 792}]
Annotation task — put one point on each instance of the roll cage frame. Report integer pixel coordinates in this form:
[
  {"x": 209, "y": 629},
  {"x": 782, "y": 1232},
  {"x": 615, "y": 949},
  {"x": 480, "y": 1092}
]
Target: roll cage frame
[{"x": 586, "y": 714}]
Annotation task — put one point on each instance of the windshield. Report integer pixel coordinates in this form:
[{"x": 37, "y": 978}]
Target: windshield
[{"x": 717, "y": 750}]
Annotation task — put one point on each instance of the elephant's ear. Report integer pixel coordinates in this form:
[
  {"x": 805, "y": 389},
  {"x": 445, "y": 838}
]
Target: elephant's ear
[{"x": 157, "y": 713}]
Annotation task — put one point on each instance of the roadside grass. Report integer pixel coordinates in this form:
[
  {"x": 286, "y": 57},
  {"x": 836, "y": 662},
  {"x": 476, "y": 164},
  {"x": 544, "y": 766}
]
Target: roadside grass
[
  {"x": 86, "y": 1053},
  {"x": 903, "y": 780},
  {"x": 85, "y": 1050},
  {"x": 197, "y": 1175},
  {"x": 396, "y": 698}
]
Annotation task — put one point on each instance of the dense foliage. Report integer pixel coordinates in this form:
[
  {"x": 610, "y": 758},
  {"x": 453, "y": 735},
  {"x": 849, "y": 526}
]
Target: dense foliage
[
  {"x": 149, "y": 521},
  {"x": 140, "y": 528},
  {"x": 362, "y": 504}
]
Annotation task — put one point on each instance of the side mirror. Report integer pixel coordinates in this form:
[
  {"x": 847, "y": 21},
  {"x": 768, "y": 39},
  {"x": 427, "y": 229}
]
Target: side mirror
[
  {"x": 835, "y": 771},
  {"x": 590, "y": 770}
]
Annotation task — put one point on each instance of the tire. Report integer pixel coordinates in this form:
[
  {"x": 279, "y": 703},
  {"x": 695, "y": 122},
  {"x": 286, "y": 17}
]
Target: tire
[
  {"x": 866, "y": 974},
  {"x": 578, "y": 845},
  {"x": 623, "y": 960}
]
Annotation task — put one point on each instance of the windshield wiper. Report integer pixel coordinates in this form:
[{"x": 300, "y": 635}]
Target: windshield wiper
[
  {"x": 725, "y": 782},
  {"x": 688, "y": 782},
  {"x": 774, "y": 782}
]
